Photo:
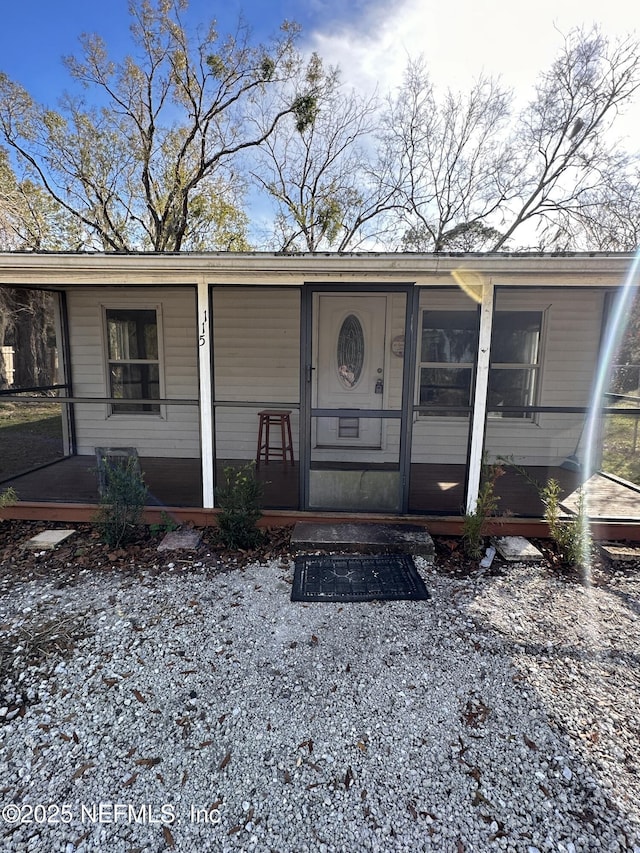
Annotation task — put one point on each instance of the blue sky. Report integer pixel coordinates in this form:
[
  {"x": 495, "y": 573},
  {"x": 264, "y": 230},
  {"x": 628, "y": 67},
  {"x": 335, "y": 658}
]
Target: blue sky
[
  {"x": 36, "y": 34},
  {"x": 369, "y": 39}
]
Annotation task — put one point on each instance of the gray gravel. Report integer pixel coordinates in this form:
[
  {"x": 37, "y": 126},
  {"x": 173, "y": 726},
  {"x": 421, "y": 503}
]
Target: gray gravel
[{"x": 189, "y": 710}]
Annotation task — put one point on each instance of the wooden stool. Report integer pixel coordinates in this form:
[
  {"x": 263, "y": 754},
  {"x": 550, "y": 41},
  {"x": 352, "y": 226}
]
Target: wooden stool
[{"x": 268, "y": 418}]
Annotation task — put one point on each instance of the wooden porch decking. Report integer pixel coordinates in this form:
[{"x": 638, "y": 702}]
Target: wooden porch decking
[
  {"x": 434, "y": 489},
  {"x": 171, "y": 482}
]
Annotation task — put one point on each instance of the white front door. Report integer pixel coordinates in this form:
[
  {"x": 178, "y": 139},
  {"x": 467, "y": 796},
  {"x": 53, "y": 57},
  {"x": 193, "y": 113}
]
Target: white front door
[{"x": 349, "y": 368}]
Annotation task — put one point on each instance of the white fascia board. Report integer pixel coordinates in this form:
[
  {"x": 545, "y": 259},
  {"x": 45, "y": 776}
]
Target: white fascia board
[{"x": 108, "y": 269}]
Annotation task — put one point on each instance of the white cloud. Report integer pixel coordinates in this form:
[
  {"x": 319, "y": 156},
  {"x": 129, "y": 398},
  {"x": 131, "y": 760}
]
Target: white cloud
[
  {"x": 459, "y": 40},
  {"x": 373, "y": 49}
]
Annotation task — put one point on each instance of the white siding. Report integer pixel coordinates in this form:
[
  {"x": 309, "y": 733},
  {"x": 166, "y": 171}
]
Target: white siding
[
  {"x": 256, "y": 346},
  {"x": 256, "y": 340},
  {"x": 571, "y": 333},
  {"x": 175, "y": 432},
  {"x": 571, "y": 336}
]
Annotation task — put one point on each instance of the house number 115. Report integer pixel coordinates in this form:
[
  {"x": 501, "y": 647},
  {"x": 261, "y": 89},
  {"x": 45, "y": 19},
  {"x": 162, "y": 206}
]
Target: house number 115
[{"x": 204, "y": 326}]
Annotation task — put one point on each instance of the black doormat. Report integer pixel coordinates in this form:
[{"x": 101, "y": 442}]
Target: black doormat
[{"x": 357, "y": 578}]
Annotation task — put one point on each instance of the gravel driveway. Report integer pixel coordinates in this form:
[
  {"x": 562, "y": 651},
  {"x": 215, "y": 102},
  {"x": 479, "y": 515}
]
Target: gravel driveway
[{"x": 189, "y": 709}]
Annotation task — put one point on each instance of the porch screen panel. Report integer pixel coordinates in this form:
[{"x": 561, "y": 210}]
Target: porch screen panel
[
  {"x": 526, "y": 454},
  {"x": 448, "y": 326},
  {"x": 357, "y": 391},
  {"x": 439, "y": 464},
  {"x": 356, "y": 465},
  {"x": 542, "y": 433},
  {"x": 37, "y": 431},
  {"x": 167, "y": 444},
  {"x": 256, "y": 367}
]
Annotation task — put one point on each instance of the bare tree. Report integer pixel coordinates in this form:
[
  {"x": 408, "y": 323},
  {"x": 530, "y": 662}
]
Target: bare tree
[
  {"x": 452, "y": 165},
  {"x": 30, "y": 218},
  {"x": 327, "y": 192},
  {"x": 148, "y": 168},
  {"x": 471, "y": 174},
  {"x": 562, "y": 140},
  {"x": 605, "y": 218}
]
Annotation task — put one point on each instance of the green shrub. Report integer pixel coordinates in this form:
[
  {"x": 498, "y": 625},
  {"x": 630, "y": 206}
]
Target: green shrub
[
  {"x": 122, "y": 502},
  {"x": 239, "y": 499},
  {"x": 474, "y": 524},
  {"x": 165, "y": 525},
  {"x": 8, "y": 497},
  {"x": 571, "y": 535}
]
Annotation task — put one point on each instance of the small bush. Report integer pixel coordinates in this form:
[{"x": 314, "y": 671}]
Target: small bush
[
  {"x": 571, "y": 536},
  {"x": 165, "y": 525},
  {"x": 239, "y": 499},
  {"x": 8, "y": 497},
  {"x": 475, "y": 523},
  {"x": 123, "y": 500}
]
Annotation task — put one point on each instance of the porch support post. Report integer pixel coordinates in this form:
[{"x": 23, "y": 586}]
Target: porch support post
[
  {"x": 412, "y": 314},
  {"x": 479, "y": 414},
  {"x": 206, "y": 395}
]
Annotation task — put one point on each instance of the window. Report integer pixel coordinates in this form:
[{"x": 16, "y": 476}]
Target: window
[
  {"x": 133, "y": 359},
  {"x": 350, "y": 351},
  {"x": 448, "y": 350},
  {"x": 515, "y": 347}
]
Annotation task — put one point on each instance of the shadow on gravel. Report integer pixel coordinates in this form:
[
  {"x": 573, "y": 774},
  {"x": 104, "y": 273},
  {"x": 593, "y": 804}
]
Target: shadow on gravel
[{"x": 577, "y": 647}]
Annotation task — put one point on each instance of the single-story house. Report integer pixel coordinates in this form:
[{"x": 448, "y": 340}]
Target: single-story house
[{"x": 398, "y": 373}]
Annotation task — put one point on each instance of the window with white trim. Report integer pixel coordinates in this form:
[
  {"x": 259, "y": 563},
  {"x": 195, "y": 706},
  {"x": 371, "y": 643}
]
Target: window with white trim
[
  {"x": 448, "y": 346},
  {"x": 133, "y": 359},
  {"x": 515, "y": 362},
  {"x": 447, "y": 352}
]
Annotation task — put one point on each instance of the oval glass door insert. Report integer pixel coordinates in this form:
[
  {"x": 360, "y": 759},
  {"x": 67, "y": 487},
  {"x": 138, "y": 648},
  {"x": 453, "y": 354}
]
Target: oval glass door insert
[{"x": 350, "y": 352}]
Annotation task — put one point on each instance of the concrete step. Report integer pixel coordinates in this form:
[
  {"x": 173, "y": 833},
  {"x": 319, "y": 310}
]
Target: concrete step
[{"x": 366, "y": 538}]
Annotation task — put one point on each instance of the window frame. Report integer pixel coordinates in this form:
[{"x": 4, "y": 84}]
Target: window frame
[
  {"x": 534, "y": 368},
  {"x": 112, "y": 408},
  {"x": 452, "y": 365}
]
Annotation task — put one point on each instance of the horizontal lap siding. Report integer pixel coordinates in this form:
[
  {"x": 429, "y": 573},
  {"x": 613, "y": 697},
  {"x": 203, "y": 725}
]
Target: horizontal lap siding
[
  {"x": 571, "y": 334},
  {"x": 256, "y": 339},
  {"x": 177, "y": 432},
  {"x": 237, "y": 432},
  {"x": 257, "y": 357}
]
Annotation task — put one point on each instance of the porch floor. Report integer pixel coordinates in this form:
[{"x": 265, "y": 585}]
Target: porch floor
[
  {"x": 171, "y": 482},
  {"x": 434, "y": 489}
]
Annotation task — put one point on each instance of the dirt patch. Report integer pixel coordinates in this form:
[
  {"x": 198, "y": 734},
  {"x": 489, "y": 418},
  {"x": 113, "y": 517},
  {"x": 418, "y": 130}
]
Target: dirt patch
[
  {"x": 85, "y": 550},
  {"x": 30, "y": 435}
]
